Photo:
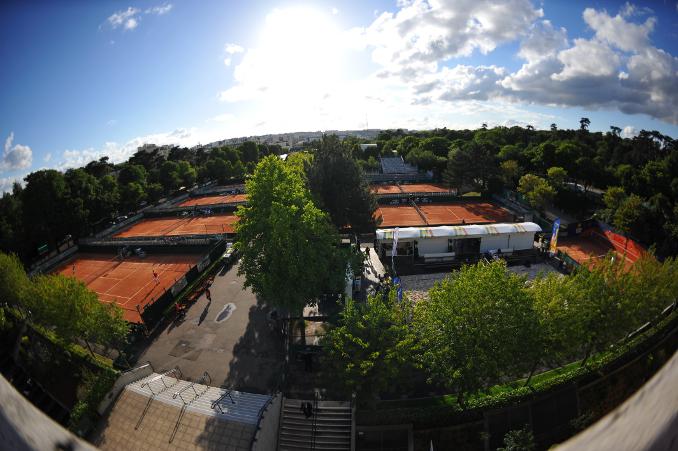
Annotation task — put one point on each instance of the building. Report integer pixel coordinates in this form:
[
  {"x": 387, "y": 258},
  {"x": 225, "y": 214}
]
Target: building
[{"x": 450, "y": 243}]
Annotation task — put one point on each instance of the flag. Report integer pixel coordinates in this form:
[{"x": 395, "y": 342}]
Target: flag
[
  {"x": 554, "y": 236},
  {"x": 394, "y": 251}
]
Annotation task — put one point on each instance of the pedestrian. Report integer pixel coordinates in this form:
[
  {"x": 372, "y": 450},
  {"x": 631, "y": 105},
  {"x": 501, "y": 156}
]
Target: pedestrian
[
  {"x": 208, "y": 295},
  {"x": 73, "y": 269},
  {"x": 155, "y": 277}
]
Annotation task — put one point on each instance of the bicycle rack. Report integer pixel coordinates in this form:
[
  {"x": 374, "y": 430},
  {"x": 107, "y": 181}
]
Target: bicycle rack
[
  {"x": 205, "y": 377},
  {"x": 176, "y": 374}
]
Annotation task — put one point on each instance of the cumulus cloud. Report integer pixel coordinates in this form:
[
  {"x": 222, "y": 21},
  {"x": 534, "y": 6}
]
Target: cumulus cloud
[
  {"x": 128, "y": 19},
  {"x": 617, "y": 68},
  {"x": 423, "y": 33},
  {"x": 15, "y": 156},
  {"x": 629, "y": 132},
  {"x": 7, "y": 183}
]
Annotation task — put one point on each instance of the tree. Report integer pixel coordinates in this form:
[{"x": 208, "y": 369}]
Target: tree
[
  {"x": 510, "y": 172},
  {"x": 557, "y": 176},
  {"x": 478, "y": 325},
  {"x": 186, "y": 173},
  {"x": 614, "y": 196},
  {"x": 132, "y": 173},
  {"x": 44, "y": 207},
  {"x": 339, "y": 187},
  {"x": 289, "y": 249},
  {"x": 584, "y": 123},
  {"x": 14, "y": 282},
  {"x": 249, "y": 152},
  {"x": 169, "y": 175},
  {"x": 370, "y": 345},
  {"x": 629, "y": 214},
  {"x": 537, "y": 190},
  {"x": 131, "y": 195}
]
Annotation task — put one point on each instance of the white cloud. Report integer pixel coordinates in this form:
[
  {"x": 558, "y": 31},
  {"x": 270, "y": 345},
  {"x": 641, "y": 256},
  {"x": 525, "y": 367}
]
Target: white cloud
[
  {"x": 232, "y": 49},
  {"x": 7, "y": 183},
  {"x": 617, "y": 31},
  {"x": 124, "y": 18},
  {"x": 629, "y": 132},
  {"x": 543, "y": 41},
  {"x": 15, "y": 156},
  {"x": 589, "y": 59},
  {"x": 160, "y": 10},
  {"x": 47, "y": 157},
  {"x": 128, "y": 19},
  {"x": 424, "y": 33},
  {"x": 335, "y": 11}
]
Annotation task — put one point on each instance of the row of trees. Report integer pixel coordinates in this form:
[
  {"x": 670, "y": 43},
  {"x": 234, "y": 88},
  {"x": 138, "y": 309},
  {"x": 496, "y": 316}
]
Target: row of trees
[
  {"x": 483, "y": 325},
  {"x": 60, "y": 304},
  {"x": 642, "y": 171},
  {"x": 54, "y": 204}
]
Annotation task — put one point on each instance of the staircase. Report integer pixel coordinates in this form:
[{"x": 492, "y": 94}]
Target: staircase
[{"x": 328, "y": 429}]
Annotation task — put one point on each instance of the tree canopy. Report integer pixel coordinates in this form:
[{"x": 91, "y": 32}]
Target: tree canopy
[{"x": 289, "y": 249}]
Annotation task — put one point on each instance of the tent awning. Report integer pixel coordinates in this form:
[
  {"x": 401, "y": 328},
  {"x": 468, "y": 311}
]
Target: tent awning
[{"x": 468, "y": 231}]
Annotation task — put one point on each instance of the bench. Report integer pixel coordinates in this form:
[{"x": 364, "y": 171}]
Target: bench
[{"x": 439, "y": 257}]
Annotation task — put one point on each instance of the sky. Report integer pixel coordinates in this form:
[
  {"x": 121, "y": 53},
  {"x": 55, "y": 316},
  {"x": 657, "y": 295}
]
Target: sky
[{"x": 80, "y": 80}]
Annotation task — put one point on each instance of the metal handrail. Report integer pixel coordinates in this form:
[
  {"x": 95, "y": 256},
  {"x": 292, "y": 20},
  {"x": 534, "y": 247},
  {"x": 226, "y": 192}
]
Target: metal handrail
[
  {"x": 205, "y": 376},
  {"x": 217, "y": 404},
  {"x": 161, "y": 377}
]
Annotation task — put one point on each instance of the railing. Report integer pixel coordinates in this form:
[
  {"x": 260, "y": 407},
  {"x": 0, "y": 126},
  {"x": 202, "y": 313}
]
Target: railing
[
  {"x": 176, "y": 374},
  {"x": 217, "y": 404},
  {"x": 315, "y": 419},
  {"x": 204, "y": 378}
]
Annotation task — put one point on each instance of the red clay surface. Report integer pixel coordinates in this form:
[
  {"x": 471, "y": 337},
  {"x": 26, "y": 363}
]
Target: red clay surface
[
  {"x": 424, "y": 188},
  {"x": 441, "y": 214},
  {"x": 214, "y": 200},
  {"x": 469, "y": 213},
  {"x": 129, "y": 282},
  {"x": 401, "y": 216},
  {"x": 200, "y": 225},
  {"x": 385, "y": 189},
  {"x": 409, "y": 189},
  {"x": 586, "y": 250}
]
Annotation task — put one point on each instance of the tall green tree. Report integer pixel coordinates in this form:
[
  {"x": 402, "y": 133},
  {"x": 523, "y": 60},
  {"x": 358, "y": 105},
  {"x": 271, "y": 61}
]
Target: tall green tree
[
  {"x": 478, "y": 325},
  {"x": 289, "y": 248},
  {"x": 370, "y": 347},
  {"x": 537, "y": 190},
  {"x": 339, "y": 186}
]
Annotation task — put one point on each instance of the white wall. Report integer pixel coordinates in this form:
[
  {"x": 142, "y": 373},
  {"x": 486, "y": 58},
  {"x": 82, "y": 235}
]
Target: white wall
[
  {"x": 494, "y": 242},
  {"x": 432, "y": 245},
  {"x": 522, "y": 241}
]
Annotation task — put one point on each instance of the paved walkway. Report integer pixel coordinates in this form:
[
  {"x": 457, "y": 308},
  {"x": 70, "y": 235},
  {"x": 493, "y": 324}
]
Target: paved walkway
[{"x": 228, "y": 337}]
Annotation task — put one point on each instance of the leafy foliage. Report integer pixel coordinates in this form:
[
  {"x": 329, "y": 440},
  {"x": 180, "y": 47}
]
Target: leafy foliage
[
  {"x": 478, "y": 325},
  {"x": 339, "y": 188},
  {"x": 288, "y": 246},
  {"x": 371, "y": 345}
]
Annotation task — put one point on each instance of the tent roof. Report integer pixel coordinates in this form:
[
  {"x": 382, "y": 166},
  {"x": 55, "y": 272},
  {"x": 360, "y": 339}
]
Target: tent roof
[{"x": 468, "y": 231}]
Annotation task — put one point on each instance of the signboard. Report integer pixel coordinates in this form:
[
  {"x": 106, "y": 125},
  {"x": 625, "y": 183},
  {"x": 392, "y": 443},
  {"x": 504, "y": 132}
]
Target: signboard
[
  {"x": 43, "y": 249},
  {"x": 203, "y": 264},
  {"x": 554, "y": 236},
  {"x": 398, "y": 287},
  {"x": 181, "y": 283},
  {"x": 394, "y": 251}
]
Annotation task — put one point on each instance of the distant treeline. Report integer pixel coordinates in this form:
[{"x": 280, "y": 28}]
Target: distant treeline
[
  {"x": 634, "y": 180},
  {"x": 631, "y": 183},
  {"x": 53, "y": 205}
]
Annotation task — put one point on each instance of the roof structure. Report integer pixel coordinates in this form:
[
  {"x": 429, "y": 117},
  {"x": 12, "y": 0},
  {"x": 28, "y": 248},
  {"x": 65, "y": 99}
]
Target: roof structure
[{"x": 469, "y": 231}]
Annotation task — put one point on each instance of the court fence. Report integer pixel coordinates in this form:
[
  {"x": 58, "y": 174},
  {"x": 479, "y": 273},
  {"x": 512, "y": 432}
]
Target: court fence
[
  {"x": 152, "y": 313},
  {"x": 47, "y": 264}
]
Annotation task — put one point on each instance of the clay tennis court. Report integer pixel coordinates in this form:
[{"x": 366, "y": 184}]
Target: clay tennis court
[
  {"x": 423, "y": 188},
  {"x": 214, "y": 200},
  {"x": 586, "y": 250},
  {"x": 401, "y": 216},
  {"x": 469, "y": 213},
  {"x": 174, "y": 226},
  {"x": 409, "y": 189},
  {"x": 129, "y": 282},
  {"x": 441, "y": 214}
]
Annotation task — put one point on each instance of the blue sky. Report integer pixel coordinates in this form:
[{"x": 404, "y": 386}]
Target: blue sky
[{"x": 86, "y": 79}]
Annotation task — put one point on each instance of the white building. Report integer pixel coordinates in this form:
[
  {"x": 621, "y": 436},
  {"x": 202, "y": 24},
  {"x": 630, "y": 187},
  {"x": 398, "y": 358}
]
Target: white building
[{"x": 450, "y": 242}]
